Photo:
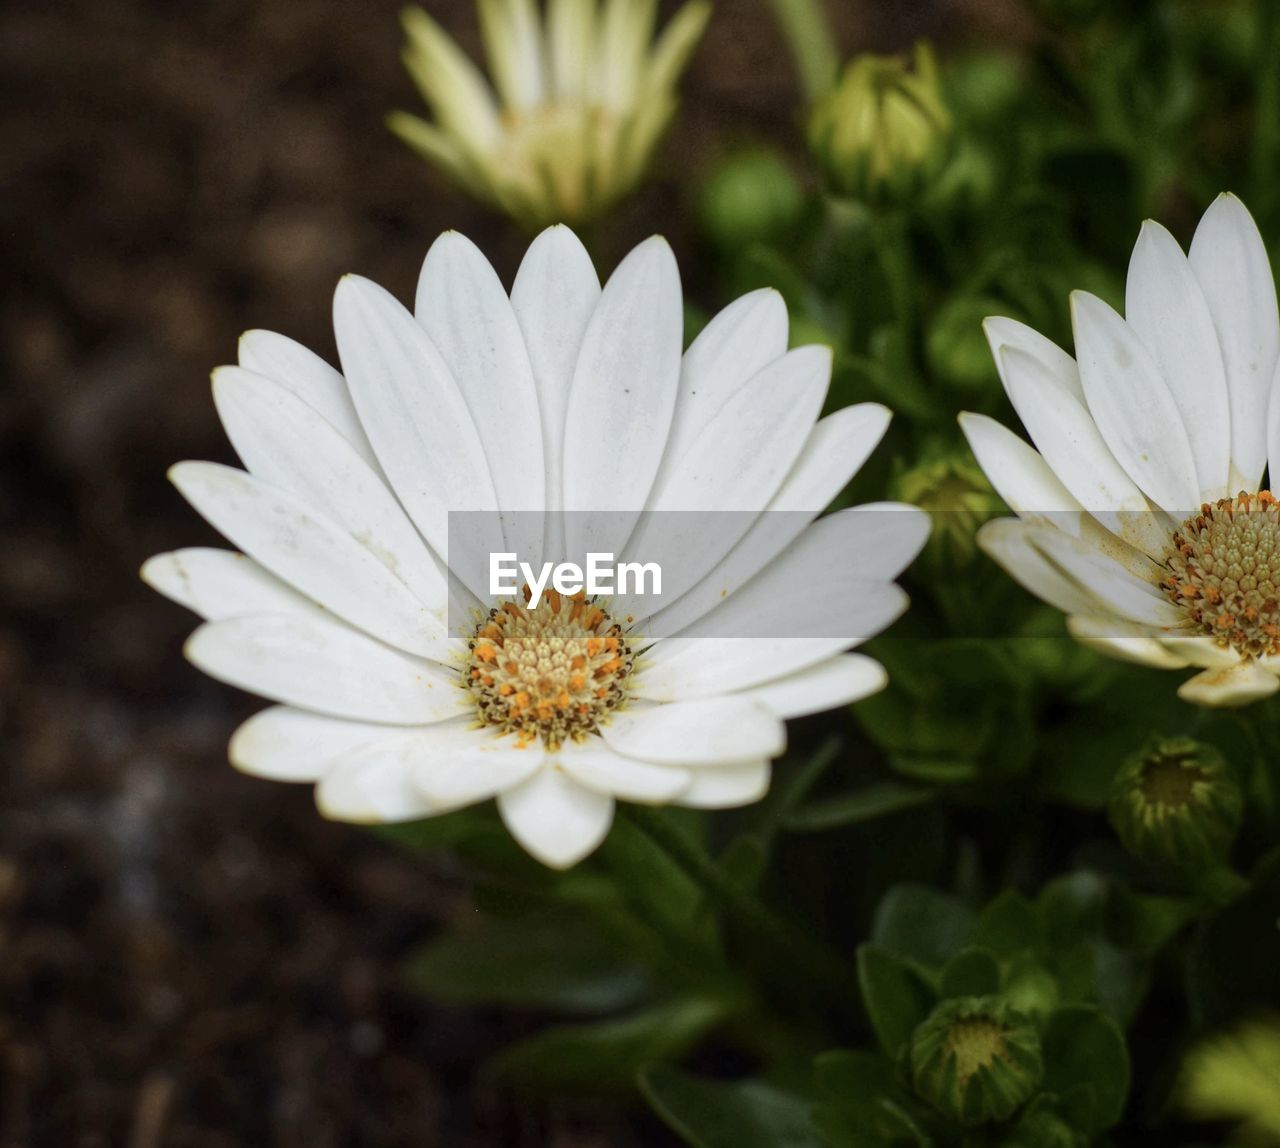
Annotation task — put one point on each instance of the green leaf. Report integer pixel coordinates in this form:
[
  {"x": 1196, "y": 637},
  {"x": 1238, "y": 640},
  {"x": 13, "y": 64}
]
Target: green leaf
[
  {"x": 1083, "y": 1047},
  {"x": 862, "y": 1104},
  {"x": 1008, "y": 925},
  {"x": 713, "y": 1114},
  {"x": 919, "y": 922},
  {"x": 605, "y": 1056},
  {"x": 971, "y": 973},
  {"x": 544, "y": 961},
  {"x": 896, "y": 996},
  {"x": 855, "y": 808}
]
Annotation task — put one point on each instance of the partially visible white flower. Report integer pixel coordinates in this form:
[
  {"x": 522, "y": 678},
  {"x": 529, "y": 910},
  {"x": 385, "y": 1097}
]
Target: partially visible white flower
[
  {"x": 582, "y": 100},
  {"x": 562, "y": 396},
  {"x": 1141, "y": 513}
]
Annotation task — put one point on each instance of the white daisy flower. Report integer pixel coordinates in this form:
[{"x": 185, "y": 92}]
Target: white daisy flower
[
  {"x": 561, "y": 397},
  {"x": 1142, "y": 512},
  {"x": 582, "y": 100}
]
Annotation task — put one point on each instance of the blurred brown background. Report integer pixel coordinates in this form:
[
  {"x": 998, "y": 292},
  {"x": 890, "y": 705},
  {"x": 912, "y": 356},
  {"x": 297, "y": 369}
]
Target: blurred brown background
[{"x": 188, "y": 957}]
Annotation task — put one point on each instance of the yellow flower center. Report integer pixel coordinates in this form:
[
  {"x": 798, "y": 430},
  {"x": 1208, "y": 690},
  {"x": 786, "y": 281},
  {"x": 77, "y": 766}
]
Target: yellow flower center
[
  {"x": 976, "y": 1042},
  {"x": 553, "y": 671},
  {"x": 1224, "y": 572}
]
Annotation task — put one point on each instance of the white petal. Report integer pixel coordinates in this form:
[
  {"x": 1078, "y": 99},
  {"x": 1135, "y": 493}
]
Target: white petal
[
  {"x": 1107, "y": 580},
  {"x": 308, "y": 376},
  {"x": 702, "y": 504},
  {"x": 1123, "y": 641},
  {"x": 626, "y": 29},
  {"x": 1237, "y": 685},
  {"x": 1230, "y": 261},
  {"x": 462, "y": 100},
  {"x": 840, "y": 681},
  {"x": 555, "y": 819},
  {"x": 555, "y": 292},
  {"x": 513, "y": 41},
  {"x": 326, "y": 667},
  {"x": 727, "y": 788},
  {"x": 710, "y": 731},
  {"x": 1200, "y": 650},
  {"x": 1008, "y": 542},
  {"x": 1132, "y": 406},
  {"x": 571, "y": 32},
  {"x": 1273, "y": 429},
  {"x": 220, "y": 584},
  {"x": 1020, "y": 474},
  {"x": 283, "y": 441},
  {"x": 285, "y": 744},
  {"x": 1164, "y": 304},
  {"x": 623, "y": 394},
  {"x": 1056, "y": 366},
  {"x": 743, "y": 339},
  {"x": 465, "y": 311},
  {"x": 311, "y": 553},
  {"x": 877, "y": 540},
  {"x": 375, "y": 792},
  {"x": 1070, "y": 442},
  {"x": 596, "y": 766},
  {"x": 834, "y": 452},
  {"x": 413, "y": 411}
]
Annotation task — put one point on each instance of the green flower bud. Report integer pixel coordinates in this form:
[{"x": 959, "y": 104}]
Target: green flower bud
[
  {"x": 753, "y": 196},
  {"x": 882, "y": 130},
  {"x": 976, "y": 1060},
  {"x": 956, "y": 494},
  {"x": 1176, "y": 802}
]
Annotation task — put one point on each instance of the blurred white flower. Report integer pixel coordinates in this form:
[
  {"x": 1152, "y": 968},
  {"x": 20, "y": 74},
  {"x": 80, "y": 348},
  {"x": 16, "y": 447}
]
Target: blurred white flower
[
  {"x": 582, "y": 100},
  {"x": 1141, "y": 513},
  {"x": 562, "y": 396}
]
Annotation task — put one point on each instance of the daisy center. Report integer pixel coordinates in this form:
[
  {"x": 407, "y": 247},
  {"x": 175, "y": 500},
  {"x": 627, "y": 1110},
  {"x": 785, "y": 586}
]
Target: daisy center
[
  {"x": 1224, "y": 572},
  {"x": 553, "y": 671}
]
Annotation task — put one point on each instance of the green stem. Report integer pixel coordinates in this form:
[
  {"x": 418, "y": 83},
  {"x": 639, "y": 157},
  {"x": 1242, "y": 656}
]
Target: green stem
[
  {"x": 825, "y": 966},
  {"x": 808, "y": 34}
]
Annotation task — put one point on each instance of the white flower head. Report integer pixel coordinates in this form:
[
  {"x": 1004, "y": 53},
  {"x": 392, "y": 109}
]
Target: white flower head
[
  {"x": 583, "y": 98},
  {"x": 562, "y": 396},
  {"x": 1142, "y": 512}
]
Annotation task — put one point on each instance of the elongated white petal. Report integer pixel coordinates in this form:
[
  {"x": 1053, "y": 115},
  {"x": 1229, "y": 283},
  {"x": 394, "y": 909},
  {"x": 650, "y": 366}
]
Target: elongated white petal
[
  {"x": 839, "y": 681},
  {"x": 1107, "y": 580},
  {"x": 1008, "y": 542},
  {"x": 466, "y": 313},
  {"x": 1165, "y": 306},
  {"x": 285, "y": 744},
  {"x": 416, "y": 416},
  {"x": 703, "y": 504},
  {"x": 1133, "y": 407},
  {"x": 675, "y": 45},
  {"x": 1237, "y": 685},
  {"x": 283, "y": 441},
  {"x": 308, "y": 376},
  {"x": 1020, "y": 474},
  {"x": 454, "y": 87},
  {"x": 836, "y": 449},
  {"x": 727, "y": 788},
  {"x": 626, "y": 29},
  {"x": 599, "y": 768},
  {"x": 711, "y": 731},
  {"x": 377, "y": 793},
  {"x": 622, "y": 398},
  {"x": 513, "y": 41},
  {"x": 555, "y": 292},
  {"x": 1124, "y": 641},
  {"x": 326, "y": 667},
  {"x": 738, "y": 343},
  {"x": 877, "y": 540},
  {"x": 219, "y": 584},
  {"x": 1199, "y": 650},
  {"x": 1230, "y": 261},
  {"x": 1070, "y": 442},
  {"x": 1056, "y": 367},
  {"x": 557, "y": 820},
  {"x": 571, "y": 33},
  {"x": 311, "y": 553}
]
